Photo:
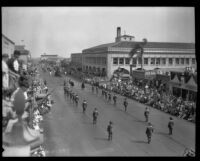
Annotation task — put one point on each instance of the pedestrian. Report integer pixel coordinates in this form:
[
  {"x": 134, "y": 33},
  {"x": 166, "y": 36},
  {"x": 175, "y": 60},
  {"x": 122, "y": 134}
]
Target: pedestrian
[
  {"x": 149, "y": 131},
  {"x": 84, "y": 105},
  {"x": 5, "y": 71},
  {"x": 110, "y": 130},
  {"x": 125, "y": 104},
  {"x": 115, "y": 99},
  {"x": 170, "y": 125},
  {"x": 95, "y": 115},
  {"x": 146, "y": 114}
]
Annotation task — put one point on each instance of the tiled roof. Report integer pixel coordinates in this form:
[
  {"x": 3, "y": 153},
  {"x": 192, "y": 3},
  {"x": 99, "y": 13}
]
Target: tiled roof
[
  {"x": 131, "y": 44},
  {"x": 157, "y": 45},
  {"x": 103, "y": 46}
]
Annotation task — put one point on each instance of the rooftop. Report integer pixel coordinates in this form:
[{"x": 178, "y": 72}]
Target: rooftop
[
  {"x": 124, "y": 44},
  {"x": 7, "y": 39}
]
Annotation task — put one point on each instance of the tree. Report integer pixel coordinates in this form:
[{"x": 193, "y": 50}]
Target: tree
[{"x": 139, "y": 50}]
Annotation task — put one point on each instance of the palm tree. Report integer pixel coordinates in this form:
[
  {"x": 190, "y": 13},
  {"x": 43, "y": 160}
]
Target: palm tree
[{"x": 139, "y": 47}]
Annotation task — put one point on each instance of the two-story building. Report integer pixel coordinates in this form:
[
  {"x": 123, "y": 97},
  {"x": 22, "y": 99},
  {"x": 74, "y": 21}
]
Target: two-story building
[
  {"x": 107, "y": 58},
  {"x": 8, "y": 46}
]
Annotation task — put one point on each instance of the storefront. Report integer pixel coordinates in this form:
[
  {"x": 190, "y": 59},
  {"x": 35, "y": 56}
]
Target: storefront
[{"x": 186, "y": 90}]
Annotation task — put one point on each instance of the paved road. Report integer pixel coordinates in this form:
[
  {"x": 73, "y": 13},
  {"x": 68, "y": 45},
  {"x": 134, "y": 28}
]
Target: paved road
[{"x": 69, "y": 132}]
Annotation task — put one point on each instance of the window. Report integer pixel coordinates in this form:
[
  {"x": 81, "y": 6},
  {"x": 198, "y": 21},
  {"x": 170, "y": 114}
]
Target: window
[
  {"x": 182, "y": 61},
  {"x": 177, "y": 61},
  {"x": 170, "y": 61},
  {"x": 163, "y": 61},
  {"x": 127, "y": 60},
  {"x": 193, "y": 61},
  {"x": 121, "y": 60},
  {"x": 187, "y": 61},
  {"x": 115, "y": 61},
  {"x": 146, "y": 61},
  {"x": 152, "y": 61},
  {"x": 158, "y": 61}
]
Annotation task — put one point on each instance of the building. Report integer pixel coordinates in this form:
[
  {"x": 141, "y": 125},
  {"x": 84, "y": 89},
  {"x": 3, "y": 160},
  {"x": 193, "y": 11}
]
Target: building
[
  {"x": 8, "y": 46},
  {"x": 184, "y": 85},
  {"x": 76, "y": 59},
  {"x": 25, "y": 55},
  {"x": 107, "y": 58},
  {"x": 49, "y": 57}
]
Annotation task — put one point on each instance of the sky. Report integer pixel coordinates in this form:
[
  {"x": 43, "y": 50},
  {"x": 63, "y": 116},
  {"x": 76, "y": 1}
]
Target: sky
[{"x": 66, "y": 30}]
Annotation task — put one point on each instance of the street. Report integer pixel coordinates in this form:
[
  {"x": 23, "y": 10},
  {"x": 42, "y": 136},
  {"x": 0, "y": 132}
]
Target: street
[{"x": 69, "y": 132}]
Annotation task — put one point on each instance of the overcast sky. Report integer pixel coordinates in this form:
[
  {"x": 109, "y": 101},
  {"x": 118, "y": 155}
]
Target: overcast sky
[{"x": 66, "y": 30}]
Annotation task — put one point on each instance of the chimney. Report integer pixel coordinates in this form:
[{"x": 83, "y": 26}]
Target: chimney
[{"x": 118, "y": 31}]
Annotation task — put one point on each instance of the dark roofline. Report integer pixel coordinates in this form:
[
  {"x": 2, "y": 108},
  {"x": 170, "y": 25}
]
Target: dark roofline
[
  {"x": 49, "y": 55},
  {"x": 126, "y": 36},
  {"x": 8, "y": 39},
  {"x": 131, "y": 44}
]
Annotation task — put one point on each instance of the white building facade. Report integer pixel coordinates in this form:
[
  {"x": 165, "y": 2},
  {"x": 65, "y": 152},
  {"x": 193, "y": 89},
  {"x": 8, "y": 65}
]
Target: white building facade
[
  {"x": 109, "y": 57},
  {"x": 8, "y": 46}
]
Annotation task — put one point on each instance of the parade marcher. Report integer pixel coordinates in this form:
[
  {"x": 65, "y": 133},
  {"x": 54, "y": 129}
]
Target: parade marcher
[
  {"x": 92, "y": 88},
  {"x": 97, "y": 89},
  {"x": 83, "y": 85},
  {"x": 95, "y": 115},
  {"x": 84, "y": 105},
  {"x": 76, "y": 100},
  {"x": 125, "y": 104},
  {"x": 146, "y": 114},
  {"x": 115, "y": 99},
  {"x": 105, "y": 93},
  {"x": 110, "y": 130},
  {"x": 170, "y": 125},
  {"x": 149, "y": 131},
  {"x": 102, "y": 92},
  {"x": 109, "y": 97}
]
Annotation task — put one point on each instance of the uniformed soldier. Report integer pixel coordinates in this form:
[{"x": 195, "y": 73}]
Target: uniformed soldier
[
  {"x": 97, "y": 89},
  {"x": 84, "y": 105},
  {"x": 109, "y": 97},
  {"x": 92, "y": 88},
  {"x": 125, "y": 104},
  {"x": 146, "y": 114},
  {"x": 76, "y": 100},
  {"x": 102, "y": 92},
  {"x": 170, "y": 125},
  {"x": 95, "y": 115},
  {"x": 105, "y": 93},
  {"x": 110, "y": 130},
  {"x": 73, "y": 97},
  {"x": 149, "y": 131},
  {"x": 115, "y": 99},
  {"x": 83, "y": 85}
]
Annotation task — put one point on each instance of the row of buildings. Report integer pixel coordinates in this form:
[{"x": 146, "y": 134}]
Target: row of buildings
[
  {"x": 8, "y": 47},
  {"x": 159, "y": 60},
  {"x": 106, "y": 58}
]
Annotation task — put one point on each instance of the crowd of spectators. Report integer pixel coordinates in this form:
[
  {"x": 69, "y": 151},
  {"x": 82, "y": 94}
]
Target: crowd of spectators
[
  {"x": 25, "y": 100},
  {"x": 156, "y": 96}
]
